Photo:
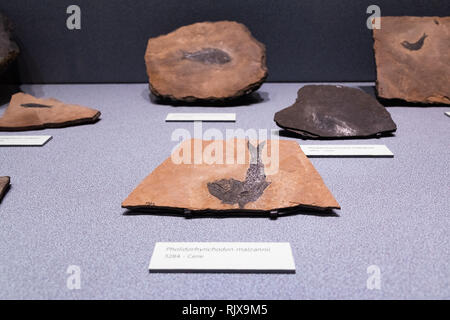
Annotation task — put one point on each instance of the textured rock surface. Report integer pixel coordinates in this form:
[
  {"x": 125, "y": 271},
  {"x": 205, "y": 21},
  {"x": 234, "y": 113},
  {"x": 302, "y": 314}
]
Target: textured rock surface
[
  {"x": 325, "y": 111},
  {"x": 26, "y": 112},
  {"x": 210, "y": 61},
  {"x": 8, "y": 48},
  {"x": 253, "y": 185},
  {"x": 4, "y": 186},
  {"x": 413, "y": 59}
]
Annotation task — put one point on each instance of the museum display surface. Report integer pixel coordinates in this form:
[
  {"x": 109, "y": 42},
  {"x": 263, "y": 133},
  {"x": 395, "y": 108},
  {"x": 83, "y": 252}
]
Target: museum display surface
[
  {"x": 89, "y": 206},
  {"x": 240, "y": 186},
  {"x": 412, "y": 56},
  {"x": 325, "y": 111},
  {"x": 4, "y": 186},
  {"x": 210, "y": 61},
  {"x": 26, "y": 112}
]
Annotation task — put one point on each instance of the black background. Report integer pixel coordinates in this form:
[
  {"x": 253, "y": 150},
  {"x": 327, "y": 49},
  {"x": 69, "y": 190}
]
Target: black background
[{"x": 306, "y": 40}]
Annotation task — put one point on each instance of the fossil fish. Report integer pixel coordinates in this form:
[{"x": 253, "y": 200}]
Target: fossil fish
[
  {"x": 232, "y": 191},
  {"x": 208, "y": 56},
  {"x": 416, "y": 45},
  {"x": 34, "y": 105}
]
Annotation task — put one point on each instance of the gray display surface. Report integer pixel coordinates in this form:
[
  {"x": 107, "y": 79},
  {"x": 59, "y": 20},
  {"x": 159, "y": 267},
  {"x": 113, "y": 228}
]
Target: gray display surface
[
  {"x": 306, "y": 40},
  {"x": 64, "y": 209}
]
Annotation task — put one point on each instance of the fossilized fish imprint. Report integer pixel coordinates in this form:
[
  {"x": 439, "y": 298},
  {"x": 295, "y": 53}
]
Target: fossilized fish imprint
[
  {"x": 232, "y": 191},
  {"x": 416, "y": 45},
  {"x": 208, "y": 56},
  {"x": 34, "y": 105}
]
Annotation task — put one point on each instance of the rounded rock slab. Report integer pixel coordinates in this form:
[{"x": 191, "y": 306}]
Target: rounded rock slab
[{"x": 206, "y": 61}]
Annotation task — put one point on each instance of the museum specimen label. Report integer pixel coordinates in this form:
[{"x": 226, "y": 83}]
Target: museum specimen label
[
  {"x": 186, "y": 117},
  {"x": 274, "y": 257},
  {"x": 13, "y": 141},
  {"x": 347, "y": 150}
]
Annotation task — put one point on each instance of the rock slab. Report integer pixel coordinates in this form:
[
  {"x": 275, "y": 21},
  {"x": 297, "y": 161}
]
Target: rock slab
[
  {"x": 413, "y": 59},
  {"x": 327, "y": 111},
  {"x": 206, "y": 61},
  {"x": 239, "y": 182},
  {"x": 26, "y": 112}
]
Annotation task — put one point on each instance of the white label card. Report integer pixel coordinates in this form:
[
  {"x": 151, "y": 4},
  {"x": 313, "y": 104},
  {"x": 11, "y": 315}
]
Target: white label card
[
  {"x": 343, "y": 150},
  {"x": 447, "y": 113},
  {"x": 219, "y": 117},
  {"x": 239, "y": 257},
  {"x": 16, "y": 141}
]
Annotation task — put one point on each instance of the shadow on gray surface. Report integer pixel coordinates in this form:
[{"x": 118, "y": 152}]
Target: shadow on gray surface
[
  {"x": 252, "y": 98},
  {"x": 232, "y": 214}
]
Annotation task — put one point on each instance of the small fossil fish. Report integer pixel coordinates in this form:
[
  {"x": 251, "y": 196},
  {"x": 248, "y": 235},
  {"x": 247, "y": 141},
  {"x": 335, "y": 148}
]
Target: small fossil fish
[
  {"x": 208, "y": 56},
  {"x": 416, "y": 45},
  {"x": 232, "y": 191},
  {"x": 35, "y": 105}
]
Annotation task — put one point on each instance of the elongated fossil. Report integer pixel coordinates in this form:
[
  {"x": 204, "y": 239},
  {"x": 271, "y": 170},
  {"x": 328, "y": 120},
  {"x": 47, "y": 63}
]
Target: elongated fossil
[
  {"x": 34, "y": 105},
  {"x": 416, "y": 45}
]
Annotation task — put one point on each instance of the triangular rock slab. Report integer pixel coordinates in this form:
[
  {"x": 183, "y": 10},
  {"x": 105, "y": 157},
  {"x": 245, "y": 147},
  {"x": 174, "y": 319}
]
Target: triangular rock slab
[
  {"x": 326, "y": 111},
  {"x": 205, "y": 62},
  {"x": 26, "y": 112},
  {"x": 193, "y": 187},
  {"x": 413, "y": 59},
  {"x": 4, "y": 186}
]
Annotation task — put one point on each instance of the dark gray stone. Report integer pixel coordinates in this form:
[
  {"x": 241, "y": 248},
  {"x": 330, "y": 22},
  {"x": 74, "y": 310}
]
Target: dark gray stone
[{"x": 325, "y": 111}]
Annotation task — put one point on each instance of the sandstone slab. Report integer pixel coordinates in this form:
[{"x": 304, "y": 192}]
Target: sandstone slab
[
  {"x": 327, "y": 111},
  {"x": 4, "y": 186},
  {"x": 207, "y": 61},
  {"x": 413, "y": 59},
  {"x": 243, "y": 180},
  {"x": 26, "y": 112}
]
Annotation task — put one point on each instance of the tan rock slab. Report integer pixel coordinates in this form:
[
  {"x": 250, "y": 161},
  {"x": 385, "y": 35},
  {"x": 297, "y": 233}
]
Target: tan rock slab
[
  {"x": 26, "y": 112},
  {"x": 8, "y": 48},
  {"x": 209, "y": 61},
  {"x": 413, "y": 59},
  {"x": 239, "y": 186}
]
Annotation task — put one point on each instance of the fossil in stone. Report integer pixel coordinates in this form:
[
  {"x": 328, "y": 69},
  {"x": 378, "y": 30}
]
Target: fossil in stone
[
  {"x": 205, "y": 62},
  {"x": 416, "y": 45},
  {"x": 26, "y": 112},
  {"x": 327, "y": 111},
  {"x": 232, "y": 191},
  {"x": 413, "y": 59},
  {"x": 274, "y": 175},
  {"x": 35, "y": 105}
]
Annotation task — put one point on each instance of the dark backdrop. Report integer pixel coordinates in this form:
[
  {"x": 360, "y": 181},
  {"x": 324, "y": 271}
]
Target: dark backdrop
[{"x": 306, "y": 40}]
